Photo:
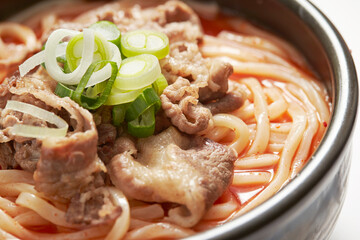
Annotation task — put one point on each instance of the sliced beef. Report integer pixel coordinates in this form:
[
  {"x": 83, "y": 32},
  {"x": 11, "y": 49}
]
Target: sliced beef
[
  {"x": 27, "y": 154},
  {"x": 64, "y": 166},
  {"x": 121, "y": 144},
  {"x": 7, "y": 156},
  {"x": 191, "y": 172},
  {"x": 106, "y": 143},
  {"x": 230, "y": 102},
  {"x": 217, "y": 87},
  {"x": 92, "y": 208},
  {"x": 107, "y": 133},
  {"x": 180, "y": 104},
  {"x": 172, "y": 17},
  {"x": 185, "y": 60}
]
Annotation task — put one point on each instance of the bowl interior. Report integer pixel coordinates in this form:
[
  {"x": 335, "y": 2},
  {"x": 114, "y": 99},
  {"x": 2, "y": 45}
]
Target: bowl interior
[{"x": 304, "y": 26}]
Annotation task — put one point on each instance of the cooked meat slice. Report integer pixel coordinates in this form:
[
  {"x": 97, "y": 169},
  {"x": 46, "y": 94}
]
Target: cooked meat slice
[
  {"x": 208, "y": 77},
  {"x": 5, "y": 95},
  {"x": 180, "y": 104},
  {"x": 92, "y": 208},
  {"x": 173, "y": 18},
  {"x": 162, "y": 122},
  {"x": 176, "y": 11},
  {"x": 185, "y": 60},
  {"x": 174, "y": 168},
  {"x": 107, "y": 133},
  {"x": 230, "y": 102},
  {"x": 27, "y": 154},
  {"x": 217, "y": 87},
  {"x": 66, "y": 165},
  {"x": 122, "y": 144},
  {"x": 107, "y": 136},
  {"x": 7, "y": 156}
]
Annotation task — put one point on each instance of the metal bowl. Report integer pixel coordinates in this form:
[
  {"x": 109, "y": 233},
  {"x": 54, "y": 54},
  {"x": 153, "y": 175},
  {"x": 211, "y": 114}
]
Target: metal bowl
[{"x": 307, "y": 208}]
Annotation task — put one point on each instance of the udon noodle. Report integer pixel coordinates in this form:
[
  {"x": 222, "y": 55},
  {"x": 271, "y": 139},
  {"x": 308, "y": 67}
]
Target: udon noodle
[{"x": 274, "y": 133}]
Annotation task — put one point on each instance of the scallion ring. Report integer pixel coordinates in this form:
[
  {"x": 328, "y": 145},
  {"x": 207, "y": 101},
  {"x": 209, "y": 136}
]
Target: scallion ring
[
  {"x": 145, "y": 41},
  {"x": 119, "y": 97},
  {"x": 109, "y": 30},
  {"x": 160, "y": 84},
  {"x": 144, "y": 125},
  {"x": 36, "y": 131},
  {"x": 148, "y": 98},
  {"x": 51, "y": 64},
  {"x": 76, "y": 45},
  {"x": 77, "y": 94},
  {"x": 137, "y": 72},
  {"x": 118, "y": 114},
  {"x": 39, "y": 58}
]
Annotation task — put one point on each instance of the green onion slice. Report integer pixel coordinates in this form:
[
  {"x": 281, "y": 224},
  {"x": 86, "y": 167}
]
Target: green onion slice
[
  {"x": 145, "y": 41},
  {"x": 109, "y": 30},
  {"x": 137, "y": 72},
  {"x": 51, "y": 63},
  {"x": 119, "y": 97},
  {"x": 35, "y": 131},
  {"x": 160, "y": 84},
  {"x": 95, "y": 90},
  {"x": 63, "y": 90},
  {"x": 77, "y": 94},
  {"x": 118, "y": 114},
  {"x": 75, "y": 47},
  {"x": 147, "y": 99},
  {"x": 144, "y": 125}
]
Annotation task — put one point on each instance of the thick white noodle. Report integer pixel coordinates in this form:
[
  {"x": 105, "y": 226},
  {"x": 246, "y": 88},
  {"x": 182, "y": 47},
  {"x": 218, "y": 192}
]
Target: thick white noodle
[
  {"x": 312, "y": 127},
  {"x": 262, "y": 117},
  {"x": 291, "y": 144},
  {"x": 122, "y": 223},
  {"x": 216, "y": 46},
  {"x": 44, "y": 209},
  {"x": 251, "y": 178},
  {"x": 222, "y": 210},
  {"x": 237, "y": 125},
  {"x": 257, "y": 161}
]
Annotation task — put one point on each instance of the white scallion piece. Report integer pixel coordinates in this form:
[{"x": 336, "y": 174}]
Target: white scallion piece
[
  {"x": 137, "y": 72},
  {"x": 39, "y": 58},
  {"x": 51, "y": 64},
  {"x": 35, "y": 131}
]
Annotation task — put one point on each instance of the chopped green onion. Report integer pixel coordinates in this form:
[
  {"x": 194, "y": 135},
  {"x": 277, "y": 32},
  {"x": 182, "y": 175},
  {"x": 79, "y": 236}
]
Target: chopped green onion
[
  {"x": 119, "y": 97},
  {"x": 51, "y": 63},
  {"x": 144, "y": 101},
  {"x": 75, "y": 47},
  {"x": 95, "y": 90},
  {"x": 118, "y": 114},
  {"x": 160, "y": 84},
  {"x": 109, "y": 30},
  {"x": 67, "y": 91},
  {"x": 137, "y": 72},
  {"x": 62, "y": 59},
  {"x": 36, "y": 131},
  {"x": 77, "y": 94},
  {"x": 144, "y": 125},
  {"x": 145, "y": 41}
]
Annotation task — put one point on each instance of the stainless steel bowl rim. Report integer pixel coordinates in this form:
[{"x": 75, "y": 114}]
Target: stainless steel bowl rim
[{"x": 328, "y": 155}]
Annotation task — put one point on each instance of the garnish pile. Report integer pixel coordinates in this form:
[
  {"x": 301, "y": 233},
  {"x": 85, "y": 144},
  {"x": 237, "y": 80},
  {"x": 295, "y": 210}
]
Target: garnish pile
[{"x": 100, "y": 66}]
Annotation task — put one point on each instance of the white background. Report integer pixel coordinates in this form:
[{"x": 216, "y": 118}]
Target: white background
[{"x": 345, "y": 14}]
